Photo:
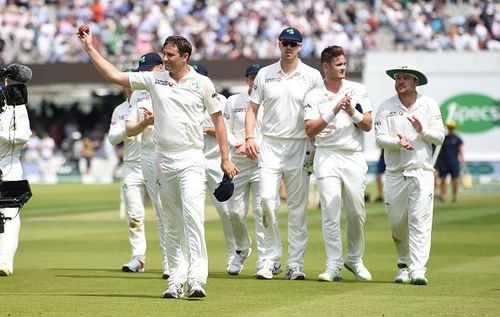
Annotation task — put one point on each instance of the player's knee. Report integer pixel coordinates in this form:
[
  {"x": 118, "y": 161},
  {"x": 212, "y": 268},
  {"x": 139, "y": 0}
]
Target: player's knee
[{"x": 135, "y": 223}]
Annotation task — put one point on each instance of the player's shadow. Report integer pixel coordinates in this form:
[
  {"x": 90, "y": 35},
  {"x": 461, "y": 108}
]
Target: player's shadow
[
  {"x": 118, "y": 274},
  {"x": 281, "y": 277}
]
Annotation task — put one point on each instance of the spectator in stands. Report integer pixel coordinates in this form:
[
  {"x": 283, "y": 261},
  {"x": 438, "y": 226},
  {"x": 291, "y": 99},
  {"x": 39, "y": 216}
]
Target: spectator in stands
[{"x": 37, "y": 32}]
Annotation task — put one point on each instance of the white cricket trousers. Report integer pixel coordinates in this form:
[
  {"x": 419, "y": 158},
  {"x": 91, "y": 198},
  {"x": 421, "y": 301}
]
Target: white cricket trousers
[
  {"x": 214, "y": 177},
  {"x": 341, "y": 177},
  {"x": 283, "y": 159},
  {"x": 147, "y": 166},
  {"x": 181, "y": 177},
  {"x": 133, "y": 190},
  {"x": 9, "y": 239},
  {"x": 409, "y": 198},
  {"x": 246, "y": 183}
]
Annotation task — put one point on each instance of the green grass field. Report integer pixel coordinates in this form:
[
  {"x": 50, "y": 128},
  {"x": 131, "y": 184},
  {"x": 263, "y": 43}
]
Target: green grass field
[{"x": 73, "y": 244}]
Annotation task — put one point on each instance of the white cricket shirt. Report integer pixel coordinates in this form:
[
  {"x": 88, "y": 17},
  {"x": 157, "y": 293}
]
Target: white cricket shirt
[
  {"x": 179, "y": 107},
  {"x": 341, "y": 132},
  {"x": 281, "y": 98},
  {"x": 141, "y": 99},
  {"x": 117, "y": 133},
  {"x": 211, "y": 147},
  {"x": 234, "y": 113},
  {"x": 392, "y": 118}
]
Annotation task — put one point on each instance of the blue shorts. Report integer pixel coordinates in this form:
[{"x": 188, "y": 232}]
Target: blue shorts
[
  {"x": 381, "y": 165},
  {"x": 444, "y": 169}
]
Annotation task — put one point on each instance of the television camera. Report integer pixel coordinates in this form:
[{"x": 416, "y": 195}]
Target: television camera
[
  {"x": 17, "y": 93},
  {"x": 13, "y": 194}
]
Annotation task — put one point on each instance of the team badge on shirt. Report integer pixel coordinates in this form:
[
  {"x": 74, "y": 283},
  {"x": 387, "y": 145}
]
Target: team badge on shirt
[{"x": 195, "y": 85}]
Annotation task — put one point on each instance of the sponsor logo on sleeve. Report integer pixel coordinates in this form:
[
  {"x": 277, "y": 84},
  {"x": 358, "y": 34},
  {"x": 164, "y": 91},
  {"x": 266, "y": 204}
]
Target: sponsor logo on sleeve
[{"x": 163, "y": 82}]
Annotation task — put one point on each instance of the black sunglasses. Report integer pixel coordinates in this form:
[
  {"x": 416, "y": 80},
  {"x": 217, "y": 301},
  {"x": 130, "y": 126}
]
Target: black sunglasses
[{"x": 288, "y": 43}]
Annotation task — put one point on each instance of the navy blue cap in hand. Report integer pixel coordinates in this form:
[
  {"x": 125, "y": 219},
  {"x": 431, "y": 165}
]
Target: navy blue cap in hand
[{"x": 225, "y": 189}]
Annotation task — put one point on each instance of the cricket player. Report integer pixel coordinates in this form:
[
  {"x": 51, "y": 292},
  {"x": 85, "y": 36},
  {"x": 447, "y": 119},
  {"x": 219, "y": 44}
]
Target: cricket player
[
  {"x": 132, "y": 184},
  {"x": 280, "y": 89},
  {"x": 140, "y": 121},
  {"x": 247, "y": 180},
  {"x": 214, "y": 174},
  {"x": 336, "y": 116},
  {"x": 180, "y": 97},
  {"x": 406, "y": 126},
  {"x": 14, "y": 134}
]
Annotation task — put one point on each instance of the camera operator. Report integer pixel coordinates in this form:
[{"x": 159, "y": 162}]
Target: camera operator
[{"x": 14, "y": 134}]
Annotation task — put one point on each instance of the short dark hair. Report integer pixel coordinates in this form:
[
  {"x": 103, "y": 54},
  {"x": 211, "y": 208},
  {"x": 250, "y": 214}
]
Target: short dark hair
[
  {"x": 181, "y": 43},
  {"x": 329, "y": 53}
]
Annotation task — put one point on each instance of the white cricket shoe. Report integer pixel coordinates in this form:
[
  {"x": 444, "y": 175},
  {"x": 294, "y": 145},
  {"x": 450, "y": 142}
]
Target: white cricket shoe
[
  {"x": 174, "y": 290},
  {"x": 265, "y": 271},
  {"x": 134, "y": 265},
  {"x": 403, "y": 276},
  {"x": 277, "y": 268},
  {"x": 330, "y": 276},
  {"x": 4, "y": 271},
  {"x": 195, "y": 289},
  {"x": 419, "y": 280},
  {"x": 360, "y": 271},
  {"x": 295, "y": 273},
  {"x": 235, "y": 266},
  {"x": 417, "y": 277}
]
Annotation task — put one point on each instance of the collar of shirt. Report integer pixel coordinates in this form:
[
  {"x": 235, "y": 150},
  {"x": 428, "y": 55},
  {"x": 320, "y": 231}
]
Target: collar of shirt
[
  {"x": 298, "y": 70},
  {"x": 402, "y": 107},
  {"x": 190, "y": 75}
]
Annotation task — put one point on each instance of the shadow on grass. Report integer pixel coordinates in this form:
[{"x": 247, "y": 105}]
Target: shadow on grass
[
  {"x": 151, "y": 275},
  {"x": 281, "y": 277},
  {"x": 132, "y": 296}
]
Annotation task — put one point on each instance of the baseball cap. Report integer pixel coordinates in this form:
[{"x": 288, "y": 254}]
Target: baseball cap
[
  {"x": 148, "y": 61},
  {"x": 225, "y": 189},
  {"x": 253, "y": 69},
  {"x": 200, "y": 69},
  {"x": 451, "y": 124},
  {"x": 291, "y": 34}
]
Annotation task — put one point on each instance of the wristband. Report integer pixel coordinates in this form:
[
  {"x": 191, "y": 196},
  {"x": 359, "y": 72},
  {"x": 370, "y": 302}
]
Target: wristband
[
  {"x": 328, "y": 116},
  {"x": 249, "y": 137},
  {"x": 357, "y": 117}
]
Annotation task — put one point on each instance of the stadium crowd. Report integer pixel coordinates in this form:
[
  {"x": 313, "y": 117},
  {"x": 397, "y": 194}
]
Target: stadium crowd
[{"x": 42, "y": 31}]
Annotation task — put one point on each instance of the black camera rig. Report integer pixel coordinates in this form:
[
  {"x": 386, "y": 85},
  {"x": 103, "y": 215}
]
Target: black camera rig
[
  {"x": 13, "y": 194},
  {"x": 14, "y": 94}
]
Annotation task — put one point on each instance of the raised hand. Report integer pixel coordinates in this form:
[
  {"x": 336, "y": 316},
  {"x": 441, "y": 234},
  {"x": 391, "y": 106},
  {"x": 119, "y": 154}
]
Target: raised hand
[{"x": 85, "y": 35}]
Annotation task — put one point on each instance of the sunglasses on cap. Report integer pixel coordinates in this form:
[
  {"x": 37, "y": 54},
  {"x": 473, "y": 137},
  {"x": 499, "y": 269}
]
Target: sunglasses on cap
[{"x": 289, "y": 43}]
